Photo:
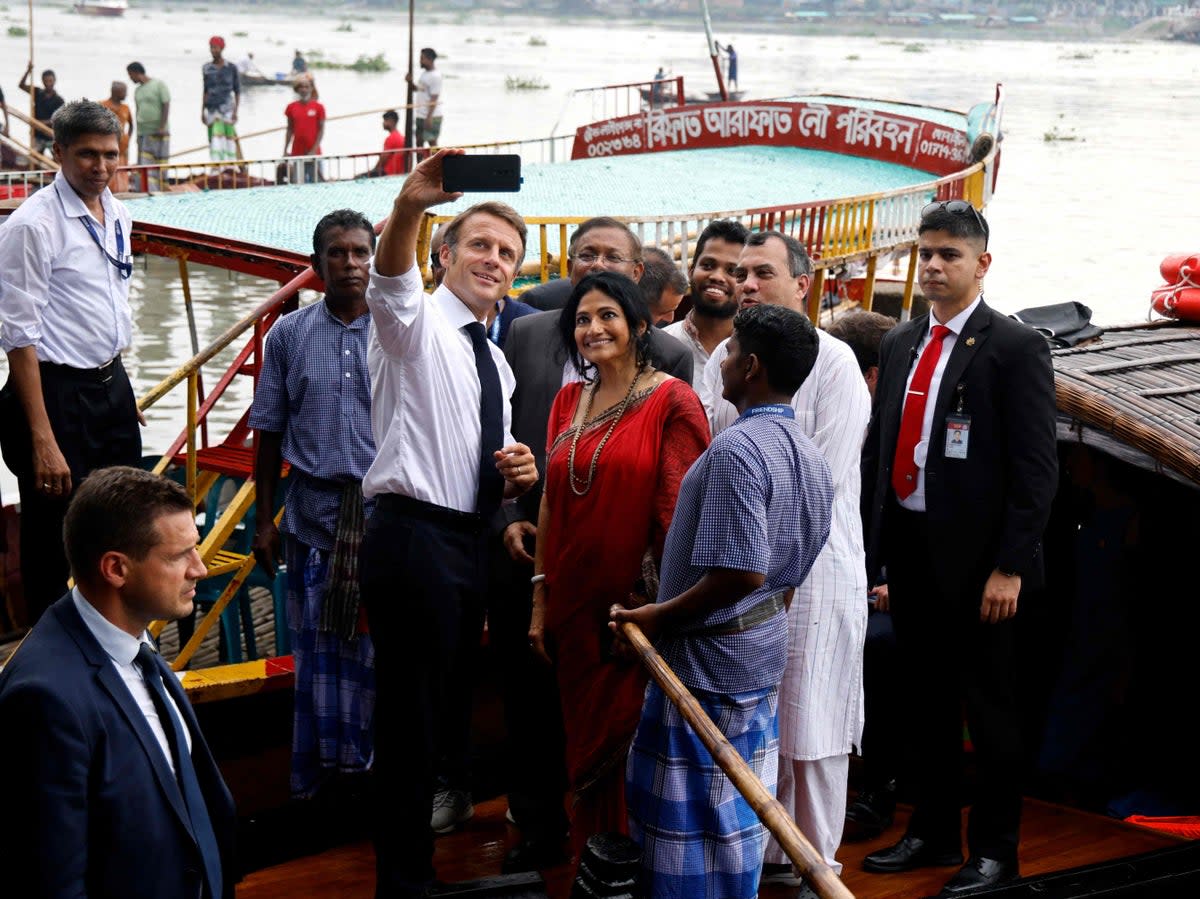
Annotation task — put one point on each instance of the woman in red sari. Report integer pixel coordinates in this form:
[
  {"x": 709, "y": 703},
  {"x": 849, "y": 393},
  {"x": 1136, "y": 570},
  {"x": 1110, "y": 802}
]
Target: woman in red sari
[{"x": 619, "y": 443}]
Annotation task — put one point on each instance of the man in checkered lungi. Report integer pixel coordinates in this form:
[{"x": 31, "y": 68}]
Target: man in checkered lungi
[
  {"x": 753, "y": 513},
  {"x": 312, "y": 409}
]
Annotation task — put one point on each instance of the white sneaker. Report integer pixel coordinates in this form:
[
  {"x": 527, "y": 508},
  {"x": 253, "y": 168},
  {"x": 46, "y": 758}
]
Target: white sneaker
[{"x": 450, "y": 809}]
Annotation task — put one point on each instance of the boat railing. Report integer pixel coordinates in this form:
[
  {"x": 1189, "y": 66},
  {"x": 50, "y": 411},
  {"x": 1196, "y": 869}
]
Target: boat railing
[
  {"x": 207, "y": 175},
  {"x": 610, "y": 101}
]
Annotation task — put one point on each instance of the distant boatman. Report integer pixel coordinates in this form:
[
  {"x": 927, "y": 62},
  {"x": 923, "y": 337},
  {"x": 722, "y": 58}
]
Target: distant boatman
[
  {"x": 219, "y": 103},
  {"x": 153, "y": 102},
  {"x": 68, "y": 407},
  {"x": 427, "y": 103}
]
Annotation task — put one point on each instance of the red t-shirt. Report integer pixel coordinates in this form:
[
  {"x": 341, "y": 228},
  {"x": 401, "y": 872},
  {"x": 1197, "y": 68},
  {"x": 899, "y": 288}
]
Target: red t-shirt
[
  {"x": 397, "y": 163},
  {"x": 305, "y": 119}
]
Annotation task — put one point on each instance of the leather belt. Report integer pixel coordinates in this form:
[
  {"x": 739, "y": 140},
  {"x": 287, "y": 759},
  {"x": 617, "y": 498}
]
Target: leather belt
[
  {"x": 101, "y": 373},
  {"x": 760, "y": 612}
]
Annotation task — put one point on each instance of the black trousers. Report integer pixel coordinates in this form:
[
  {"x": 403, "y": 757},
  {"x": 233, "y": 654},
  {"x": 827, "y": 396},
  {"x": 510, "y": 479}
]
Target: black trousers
[
  {"x": 423, "y": 569},
  {"x": 535, "y": 770},
  {"x": 883, "y": 696},
  {"x": 94, "y": 418},
  {"x": 951, "y": 664}
]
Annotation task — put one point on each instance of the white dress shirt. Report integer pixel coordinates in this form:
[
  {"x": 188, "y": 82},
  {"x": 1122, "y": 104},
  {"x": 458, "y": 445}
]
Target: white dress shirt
[
  {"x": 122, "y": 648},
  {"x": 915, "y": 501},
  {"x": 62, "y": 295},
  {"x": 425, "y": 394},
  {"x": 821, "y": 696},
  {"x": 685, "y": 332}
]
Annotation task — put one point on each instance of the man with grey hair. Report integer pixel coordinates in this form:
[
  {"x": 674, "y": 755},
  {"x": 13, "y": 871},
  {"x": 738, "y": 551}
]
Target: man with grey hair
[
  {"x": 68, "y": 407},
  {"x": 821, "y": 696},
  {"x": 598, "y": 243}
]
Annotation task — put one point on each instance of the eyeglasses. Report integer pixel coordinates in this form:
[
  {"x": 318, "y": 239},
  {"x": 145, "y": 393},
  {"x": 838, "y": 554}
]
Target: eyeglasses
[
  {"x": 609, "y": 258},
  {"x": 957, "y": 207}
]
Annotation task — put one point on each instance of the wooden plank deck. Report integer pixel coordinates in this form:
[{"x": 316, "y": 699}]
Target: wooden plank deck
[{"x": 1054, "y": 838}]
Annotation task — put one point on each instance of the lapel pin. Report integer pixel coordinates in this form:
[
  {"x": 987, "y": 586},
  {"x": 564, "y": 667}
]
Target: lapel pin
[{"x": 970, "y": 341}]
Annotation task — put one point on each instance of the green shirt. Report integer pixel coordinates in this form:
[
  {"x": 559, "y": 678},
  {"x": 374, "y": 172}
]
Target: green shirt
[{"x": 150, "y": 98}]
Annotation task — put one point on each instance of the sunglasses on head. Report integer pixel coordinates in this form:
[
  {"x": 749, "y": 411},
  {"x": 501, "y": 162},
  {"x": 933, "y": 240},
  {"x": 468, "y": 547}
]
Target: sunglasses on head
[{"x": 956, "y": 207}]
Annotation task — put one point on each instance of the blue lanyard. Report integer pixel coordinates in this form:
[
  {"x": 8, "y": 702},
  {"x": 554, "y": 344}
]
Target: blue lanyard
[
  {"x": 769, "y": 409},
  {"x": 125, "y": 268}
]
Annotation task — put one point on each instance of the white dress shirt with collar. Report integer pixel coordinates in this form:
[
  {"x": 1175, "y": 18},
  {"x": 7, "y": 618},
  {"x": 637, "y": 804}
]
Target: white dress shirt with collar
[
  {"x": 62, "y": 295},
  {"x": 915, "y": 501},
  {"x": 684, "y": 331},
  {"x": 425, "y": 393},
  {"x": 122, "y": 649}
]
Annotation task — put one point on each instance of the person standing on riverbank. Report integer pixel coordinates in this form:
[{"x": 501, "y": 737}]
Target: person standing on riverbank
[
  {"x": 68, "y": 407},
  {"x": 219, "y": 106},
  {"x": 959, "y": 529},
  {"x": 46, "y": 102},
  {"x": 312, "y": 410},
  {"x": 153, "y": 101},
  {"x": 305, "y": 130},
  {"x": 117, "y": 106},
  {"x": 427, "y": 102}
]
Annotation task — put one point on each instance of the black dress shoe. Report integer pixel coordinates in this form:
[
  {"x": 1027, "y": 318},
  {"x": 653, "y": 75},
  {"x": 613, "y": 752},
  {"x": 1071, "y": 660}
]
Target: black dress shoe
[
  {"x": 979, "y": 872},
  {"x": 534, "y": 855},
  {"x": 870, "y": 814},
  {"x": 911, "y": 852}
]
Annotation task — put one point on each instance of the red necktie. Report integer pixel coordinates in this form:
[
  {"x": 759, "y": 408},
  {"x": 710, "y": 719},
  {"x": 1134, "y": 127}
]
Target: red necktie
[{"x": 904, "y": 466}]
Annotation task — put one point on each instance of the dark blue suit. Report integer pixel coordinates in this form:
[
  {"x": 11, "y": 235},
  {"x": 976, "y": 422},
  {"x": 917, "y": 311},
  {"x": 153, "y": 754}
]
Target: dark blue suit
[{"x": 91, "y": 806}]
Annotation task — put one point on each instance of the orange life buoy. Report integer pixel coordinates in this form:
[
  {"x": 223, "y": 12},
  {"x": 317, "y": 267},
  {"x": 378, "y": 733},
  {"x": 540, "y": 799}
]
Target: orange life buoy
[
  {"x": 1174, "y": 301},
  {"x": 1179, "y": 267}
]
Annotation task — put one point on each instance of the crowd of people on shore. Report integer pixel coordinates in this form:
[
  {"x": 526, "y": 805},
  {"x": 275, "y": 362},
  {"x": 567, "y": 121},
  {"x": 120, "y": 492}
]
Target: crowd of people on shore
[
  {"x": 738, "y": 484},
  {"x": 220, "y": 101}
]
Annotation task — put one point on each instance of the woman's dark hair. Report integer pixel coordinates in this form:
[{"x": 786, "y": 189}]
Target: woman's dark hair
[{"x": 628, "y": 296}]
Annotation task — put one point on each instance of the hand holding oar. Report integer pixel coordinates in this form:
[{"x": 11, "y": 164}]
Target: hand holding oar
[{"x": 806, "y": 858}]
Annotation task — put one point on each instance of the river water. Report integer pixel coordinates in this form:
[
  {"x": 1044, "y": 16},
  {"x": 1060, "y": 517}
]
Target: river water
[{"x": 1086, "y": 216}]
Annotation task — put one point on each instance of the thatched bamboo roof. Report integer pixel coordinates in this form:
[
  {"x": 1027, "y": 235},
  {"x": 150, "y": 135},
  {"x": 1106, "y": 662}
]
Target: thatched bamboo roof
[{"x": 1140, "y": 385}]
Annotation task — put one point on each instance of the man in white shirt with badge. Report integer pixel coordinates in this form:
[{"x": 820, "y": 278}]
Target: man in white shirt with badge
[
  {"x": 441, "y": 415},
  {"x": 68, "y": 407}
]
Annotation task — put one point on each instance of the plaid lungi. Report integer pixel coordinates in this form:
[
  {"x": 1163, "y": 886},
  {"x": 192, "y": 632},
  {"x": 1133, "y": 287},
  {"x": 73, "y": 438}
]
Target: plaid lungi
[
  {"x": 699, "y": 837},
  {"x": 335, "y": 680}
]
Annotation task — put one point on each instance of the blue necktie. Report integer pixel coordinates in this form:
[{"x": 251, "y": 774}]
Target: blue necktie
[
  {"x": 491, "y": 412},
  {"x": 152, "y": 673}
]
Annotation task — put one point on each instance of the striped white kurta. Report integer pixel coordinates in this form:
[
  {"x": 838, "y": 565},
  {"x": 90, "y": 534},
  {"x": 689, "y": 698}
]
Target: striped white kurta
[{"x": 821, "y": 697}]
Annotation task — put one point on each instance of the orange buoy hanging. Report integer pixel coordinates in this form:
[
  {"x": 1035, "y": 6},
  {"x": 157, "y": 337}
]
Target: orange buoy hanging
[{"x": 1180, "y": 297}]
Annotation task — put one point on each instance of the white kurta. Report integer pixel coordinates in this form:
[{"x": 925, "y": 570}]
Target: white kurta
[{"x": 821, "y": 697}]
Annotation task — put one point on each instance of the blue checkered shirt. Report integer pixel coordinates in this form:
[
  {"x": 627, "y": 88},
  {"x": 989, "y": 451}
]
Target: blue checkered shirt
[
  {"x": 759, "y": 499},
  {"x": 315, "y": 388}
]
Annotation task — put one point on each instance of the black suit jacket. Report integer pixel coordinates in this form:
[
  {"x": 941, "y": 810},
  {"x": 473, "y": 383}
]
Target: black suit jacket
[
  {"x": 91, "y": 807},
  {"x": 548, "y": 296},
  {"x": 989, "y": 510},
  {"x": 536, "y": 355}
]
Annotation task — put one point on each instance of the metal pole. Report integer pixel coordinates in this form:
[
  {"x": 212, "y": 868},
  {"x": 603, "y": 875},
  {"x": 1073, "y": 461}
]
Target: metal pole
[
  {"x": 408, "y": 113},
  {"x": 32, "y": 92}
]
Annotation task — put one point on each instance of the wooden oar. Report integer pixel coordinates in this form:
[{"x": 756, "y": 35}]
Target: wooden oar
[{"x": 802, "y": 853}]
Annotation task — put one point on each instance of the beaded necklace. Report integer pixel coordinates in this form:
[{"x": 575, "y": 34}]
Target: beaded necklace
[{"x": 575, "y": 479}]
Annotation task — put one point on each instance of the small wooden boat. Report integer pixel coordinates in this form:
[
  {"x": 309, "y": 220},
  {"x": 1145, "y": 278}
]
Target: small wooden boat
[
  {"x": 259, "y": 79},
  {"x": 109, "y": 8}
]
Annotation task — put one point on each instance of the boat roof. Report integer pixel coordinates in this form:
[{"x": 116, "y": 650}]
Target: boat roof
[
  {"x": 1135, "y": 394},
  {"x": 643, "y": 185}
]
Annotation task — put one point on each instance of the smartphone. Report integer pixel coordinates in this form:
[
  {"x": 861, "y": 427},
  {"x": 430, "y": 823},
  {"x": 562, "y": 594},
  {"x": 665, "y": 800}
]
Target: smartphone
[{"x": 481, "y": 173}]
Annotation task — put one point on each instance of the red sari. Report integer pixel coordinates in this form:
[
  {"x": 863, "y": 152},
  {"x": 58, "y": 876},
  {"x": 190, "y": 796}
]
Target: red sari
[{"x": 592, "y": 558}]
